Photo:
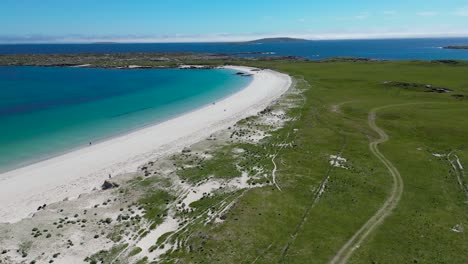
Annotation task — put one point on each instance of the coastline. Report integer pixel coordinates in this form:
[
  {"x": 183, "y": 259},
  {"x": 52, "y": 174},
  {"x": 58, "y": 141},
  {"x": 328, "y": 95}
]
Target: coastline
[
  {"x": 69, "y": 175},
  {"x": 95, "y": 141}
]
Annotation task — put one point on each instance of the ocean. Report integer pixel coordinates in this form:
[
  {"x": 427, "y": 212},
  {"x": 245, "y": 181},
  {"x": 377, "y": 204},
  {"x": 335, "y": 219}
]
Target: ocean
[
  {"x": 46, "y": 111},
  {"x": 389, "y": 49}
]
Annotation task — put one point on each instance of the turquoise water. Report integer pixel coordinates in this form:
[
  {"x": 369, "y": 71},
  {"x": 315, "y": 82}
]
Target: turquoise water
[{"x": 45, "y": 111}]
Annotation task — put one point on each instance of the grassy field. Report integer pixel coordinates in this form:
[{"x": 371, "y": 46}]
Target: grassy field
[
  {"x": 320, "y": 206},
  {"x": 368, "y": 169}
]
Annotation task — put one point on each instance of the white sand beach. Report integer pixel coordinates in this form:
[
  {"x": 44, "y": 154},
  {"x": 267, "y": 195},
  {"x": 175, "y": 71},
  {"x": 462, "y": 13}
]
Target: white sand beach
[{"x": 67, "y": 176}]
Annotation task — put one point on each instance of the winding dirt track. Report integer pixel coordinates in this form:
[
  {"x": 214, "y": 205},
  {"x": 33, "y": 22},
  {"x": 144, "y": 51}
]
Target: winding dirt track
[{"x": 397, "y": 189}]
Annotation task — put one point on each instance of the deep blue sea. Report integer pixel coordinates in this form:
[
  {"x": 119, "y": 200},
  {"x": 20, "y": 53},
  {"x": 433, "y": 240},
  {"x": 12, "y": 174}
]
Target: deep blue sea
[
  {"x": 45, "y": 111},
  {"x": 391, "y": 49}
]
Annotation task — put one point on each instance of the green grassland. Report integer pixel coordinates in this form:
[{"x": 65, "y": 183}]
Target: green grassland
[
  {"x": 317, "y": 207},
  {"x": 300, "y": 224}
]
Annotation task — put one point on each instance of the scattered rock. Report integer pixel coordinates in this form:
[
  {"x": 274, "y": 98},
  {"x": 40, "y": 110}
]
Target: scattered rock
[
  {"x": 186, "y": 150},
  {"x": 459, "y": 96},
  {"x": 458, "y": 228},
  {"x": 451, "y": 62},
  {"x": 109, "y": 185},
  {"x": 410, "y": 85}
]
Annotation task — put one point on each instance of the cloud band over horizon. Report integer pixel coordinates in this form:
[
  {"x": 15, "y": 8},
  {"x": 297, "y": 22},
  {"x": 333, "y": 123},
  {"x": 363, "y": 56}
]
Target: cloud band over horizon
[
  {"x": 87, "y": 21},
  {"x": 77, "y": 38}
]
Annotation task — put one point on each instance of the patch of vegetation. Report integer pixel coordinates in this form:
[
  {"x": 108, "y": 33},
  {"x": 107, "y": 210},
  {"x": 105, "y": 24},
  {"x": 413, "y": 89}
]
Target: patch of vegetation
[
  {"x": 134, "y": 251},
  {"x": 116, "y": 233},
  {"x": 106, "y": 256},
  {"x": 201, "y": 169},
  {"x": 142, "y": 261},
  {"x": 155, "y": 204},
  {"x": 24, "y": 247}
]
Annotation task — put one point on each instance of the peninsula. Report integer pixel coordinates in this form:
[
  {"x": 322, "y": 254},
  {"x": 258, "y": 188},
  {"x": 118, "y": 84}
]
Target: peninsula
[{"x": 456, "y": 47}]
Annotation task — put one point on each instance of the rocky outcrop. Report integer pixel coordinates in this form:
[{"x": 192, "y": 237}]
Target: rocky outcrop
[
  {"x": 424, "y": 87},
  {"x": 109, "y": 185},
  {"x": 450, "y": 62}
]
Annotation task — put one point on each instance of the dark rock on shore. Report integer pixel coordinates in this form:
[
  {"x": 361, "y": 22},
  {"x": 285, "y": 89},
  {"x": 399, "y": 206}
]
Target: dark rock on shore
[
  {"x": 109, "y": 185},
  {"x": 243, "y": 74},
  {"x": 193, "y": 67}
]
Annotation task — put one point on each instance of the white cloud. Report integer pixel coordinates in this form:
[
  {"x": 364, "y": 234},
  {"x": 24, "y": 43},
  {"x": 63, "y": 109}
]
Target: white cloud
[
  {"x": 362, "y": 16},
  {"x": 462, "y": 11},
  {"x": 427, "y": 13},
  {"x": 377, "y": 33}
]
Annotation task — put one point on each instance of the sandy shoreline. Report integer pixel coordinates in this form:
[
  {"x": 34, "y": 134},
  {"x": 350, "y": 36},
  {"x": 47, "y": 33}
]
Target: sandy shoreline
[{"x": 69, "y": 175}]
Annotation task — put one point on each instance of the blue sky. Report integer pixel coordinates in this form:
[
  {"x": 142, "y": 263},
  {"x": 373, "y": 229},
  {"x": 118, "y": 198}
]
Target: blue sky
[{"x": 220, "y": 20}]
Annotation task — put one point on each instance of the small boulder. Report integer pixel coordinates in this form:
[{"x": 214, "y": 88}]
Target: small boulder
[
  {"x": 109, "y": 185},
  {"x": 186, "y": 150}
]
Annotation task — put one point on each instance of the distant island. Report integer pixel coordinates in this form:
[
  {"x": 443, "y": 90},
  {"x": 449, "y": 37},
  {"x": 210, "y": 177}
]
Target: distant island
[
  {"x": 456, "y": 47},
  {"x": 105, "y": 42},
  {"x": 273, "y": 40}
]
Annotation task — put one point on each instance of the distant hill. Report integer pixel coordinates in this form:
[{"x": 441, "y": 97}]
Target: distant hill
[
  {"x": 274, "y": 40},
  {"x": 105, "y": 42}
]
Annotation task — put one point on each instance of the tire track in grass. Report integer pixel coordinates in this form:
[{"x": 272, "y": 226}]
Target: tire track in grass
[
  {"x": 275, "y": 168},
  {"x": 317, "y": 196},
  {"x": 392, "y": 201},
  {"x": 459, "y": 172}
]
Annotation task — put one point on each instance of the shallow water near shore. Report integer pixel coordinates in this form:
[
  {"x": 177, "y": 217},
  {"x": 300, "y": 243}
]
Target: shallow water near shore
[{"x": 46, "y": 111}]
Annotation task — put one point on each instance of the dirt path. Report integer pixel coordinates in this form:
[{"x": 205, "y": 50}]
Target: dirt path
[
  {"x": 275, "y": 168},
  {"x": 273, "y": 172},
  {"x": 397, "y": 189}
]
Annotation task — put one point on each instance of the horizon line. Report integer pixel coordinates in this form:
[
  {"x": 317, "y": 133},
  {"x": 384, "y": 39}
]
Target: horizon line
[{"x": 229, "y": 41}]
